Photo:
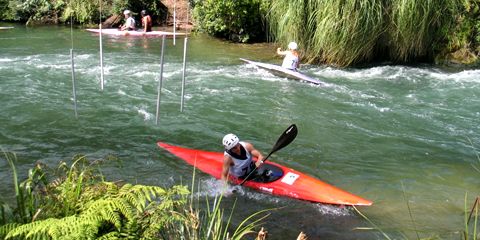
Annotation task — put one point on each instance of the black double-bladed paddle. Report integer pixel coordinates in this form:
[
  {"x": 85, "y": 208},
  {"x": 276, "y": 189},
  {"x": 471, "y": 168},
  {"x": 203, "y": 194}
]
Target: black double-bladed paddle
[{"x": 287, "y": 137}]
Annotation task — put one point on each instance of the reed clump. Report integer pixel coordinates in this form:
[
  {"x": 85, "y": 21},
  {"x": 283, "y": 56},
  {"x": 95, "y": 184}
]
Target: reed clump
[{"x": 347, "y": 32}]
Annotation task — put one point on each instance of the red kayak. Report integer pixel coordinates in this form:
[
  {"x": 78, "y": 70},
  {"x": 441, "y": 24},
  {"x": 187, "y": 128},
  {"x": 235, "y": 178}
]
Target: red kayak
[{"x": 272, "y": 178}]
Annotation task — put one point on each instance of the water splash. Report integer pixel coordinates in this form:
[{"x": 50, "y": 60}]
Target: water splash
[{"x": 333, "y": 210}]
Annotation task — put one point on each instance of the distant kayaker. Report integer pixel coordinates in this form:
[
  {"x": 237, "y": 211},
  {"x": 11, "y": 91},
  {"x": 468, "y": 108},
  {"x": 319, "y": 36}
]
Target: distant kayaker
[
  {"x": 238, "y": 157},
  {"x": 146, "y": 21},
  {"x": 129, "y": 21},
  {"x": 291, "y": 59}
]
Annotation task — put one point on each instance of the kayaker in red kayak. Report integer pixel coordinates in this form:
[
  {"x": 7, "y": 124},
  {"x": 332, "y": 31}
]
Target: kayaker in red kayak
[{"x": 238, "y": 157}]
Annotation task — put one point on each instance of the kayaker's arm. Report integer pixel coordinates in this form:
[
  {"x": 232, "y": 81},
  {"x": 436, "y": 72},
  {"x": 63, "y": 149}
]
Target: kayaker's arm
[
  {"x": 255, "y": 153},
  {"x": 227, "y": 162},
  {"x": 280, "y": 52}
]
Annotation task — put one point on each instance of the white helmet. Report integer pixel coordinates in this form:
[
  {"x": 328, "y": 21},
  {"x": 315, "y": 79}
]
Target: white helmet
[
  {"x": 230, "y": 140},
  {"x": 292, "y": 46},
  {"x": 126, "y": 12}
]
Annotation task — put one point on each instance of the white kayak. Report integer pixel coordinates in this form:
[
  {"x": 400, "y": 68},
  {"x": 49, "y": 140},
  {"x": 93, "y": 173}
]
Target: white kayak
[
  {"x": 2, "y": 28},
  {"x": 283, "y": 72},
  {"x": 116, "y": 32}
]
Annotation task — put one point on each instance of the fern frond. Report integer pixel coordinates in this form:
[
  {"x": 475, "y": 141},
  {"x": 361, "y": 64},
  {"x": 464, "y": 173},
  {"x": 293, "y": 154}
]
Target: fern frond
[
  {"x": 106, "y": 210},
  {"x": 110, "y": 236},
  {"x": 38, "y": 229},
  {"x": 5, "y": 229},
  {"x": 138, "y": 196}
]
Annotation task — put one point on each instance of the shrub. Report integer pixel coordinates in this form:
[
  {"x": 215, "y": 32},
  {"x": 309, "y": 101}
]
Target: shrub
[{"x": 238, "y": 21}]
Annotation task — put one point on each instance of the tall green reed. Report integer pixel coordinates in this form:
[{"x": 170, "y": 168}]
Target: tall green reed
[
  {"x": 417, "y": 24},
  {"x": 26, "y": 201},
  {"x": 346, "y": 32}
]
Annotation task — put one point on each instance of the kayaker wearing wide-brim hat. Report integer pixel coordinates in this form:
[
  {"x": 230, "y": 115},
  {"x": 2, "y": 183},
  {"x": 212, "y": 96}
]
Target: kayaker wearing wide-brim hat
[{"x": 238, "y": 157}]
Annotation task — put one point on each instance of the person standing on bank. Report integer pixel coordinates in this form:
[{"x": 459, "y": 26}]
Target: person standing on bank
[
  {"x": 291, "y": 59},
  {"x": 146, "y": 21},
  {"x": 238, "y": 157},
  {"x": 129, "y": 21}
]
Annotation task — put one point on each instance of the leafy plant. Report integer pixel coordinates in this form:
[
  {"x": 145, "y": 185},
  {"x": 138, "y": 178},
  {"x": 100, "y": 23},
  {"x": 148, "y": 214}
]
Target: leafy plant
[
  {"x": 75, "y": 203},
  {"x": 25, "y": 196},
  {"x": 231, "y": 19}
]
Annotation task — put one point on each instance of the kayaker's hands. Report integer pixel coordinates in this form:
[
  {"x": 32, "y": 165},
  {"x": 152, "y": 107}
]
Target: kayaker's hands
[{"x": 259, "y": 162}]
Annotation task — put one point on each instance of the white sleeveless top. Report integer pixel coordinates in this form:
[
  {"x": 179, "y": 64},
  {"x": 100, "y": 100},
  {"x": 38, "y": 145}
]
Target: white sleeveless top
[
  {"x": 290, "y": 61},
  {"x": 240, "y": 166}
]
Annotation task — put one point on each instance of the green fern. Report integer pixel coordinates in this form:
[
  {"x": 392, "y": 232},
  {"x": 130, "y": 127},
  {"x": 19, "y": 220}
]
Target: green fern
[
  {"x": 77, "y": 204},
  {"x": 5, "y": 229}
]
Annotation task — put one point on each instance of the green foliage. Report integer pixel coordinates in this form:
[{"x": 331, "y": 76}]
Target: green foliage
[
  {"x": 26, "y": 201},
  {"x": 346, "y": 32},
  {"x": 469, "y": 233},
  {"x": 182, "y": 221},
  {"x": 33, "y": 10},
  {"x": 332, "y": 31},
  {"x": 416, "y": 25},
  {"x": 114, "y": 214},
  {"x": 239, "y": 21},
  {"x": 4, "y": 10},
  {"x": 156, "y": 9},
  {"x": 82, "y": 11},
  {"x": 466, "y": 30},
  {"x": 73, "y": 202}
]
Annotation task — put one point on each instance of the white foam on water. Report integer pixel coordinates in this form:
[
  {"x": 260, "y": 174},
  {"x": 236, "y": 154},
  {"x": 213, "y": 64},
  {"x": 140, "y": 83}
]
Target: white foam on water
[
  {"x": 375, "y": 72},
  {"x": 143, "y": 112},
  {"x": 214, "y": 188},
  {"x": 463, "y": 76},
  {"x": 411, "y": 74},
  {"x": 333, "y": 210},
  {"x": 6, "y": 60},
  {"x": 83, "y": 56}
]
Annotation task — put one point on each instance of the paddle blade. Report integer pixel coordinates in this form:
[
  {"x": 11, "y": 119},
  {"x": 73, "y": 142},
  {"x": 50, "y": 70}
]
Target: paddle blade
[{"x": 286, "y": 138}]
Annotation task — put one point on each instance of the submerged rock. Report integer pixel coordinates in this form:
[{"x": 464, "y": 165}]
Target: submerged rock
[{"x": 463, "y": 56}]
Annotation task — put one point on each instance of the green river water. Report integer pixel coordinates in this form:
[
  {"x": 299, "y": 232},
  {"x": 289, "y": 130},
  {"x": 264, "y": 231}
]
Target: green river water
[{"x": 396, "y": 135}]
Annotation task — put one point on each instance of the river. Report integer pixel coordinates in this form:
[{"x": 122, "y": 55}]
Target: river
[{"x": 405, "y": 137}]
